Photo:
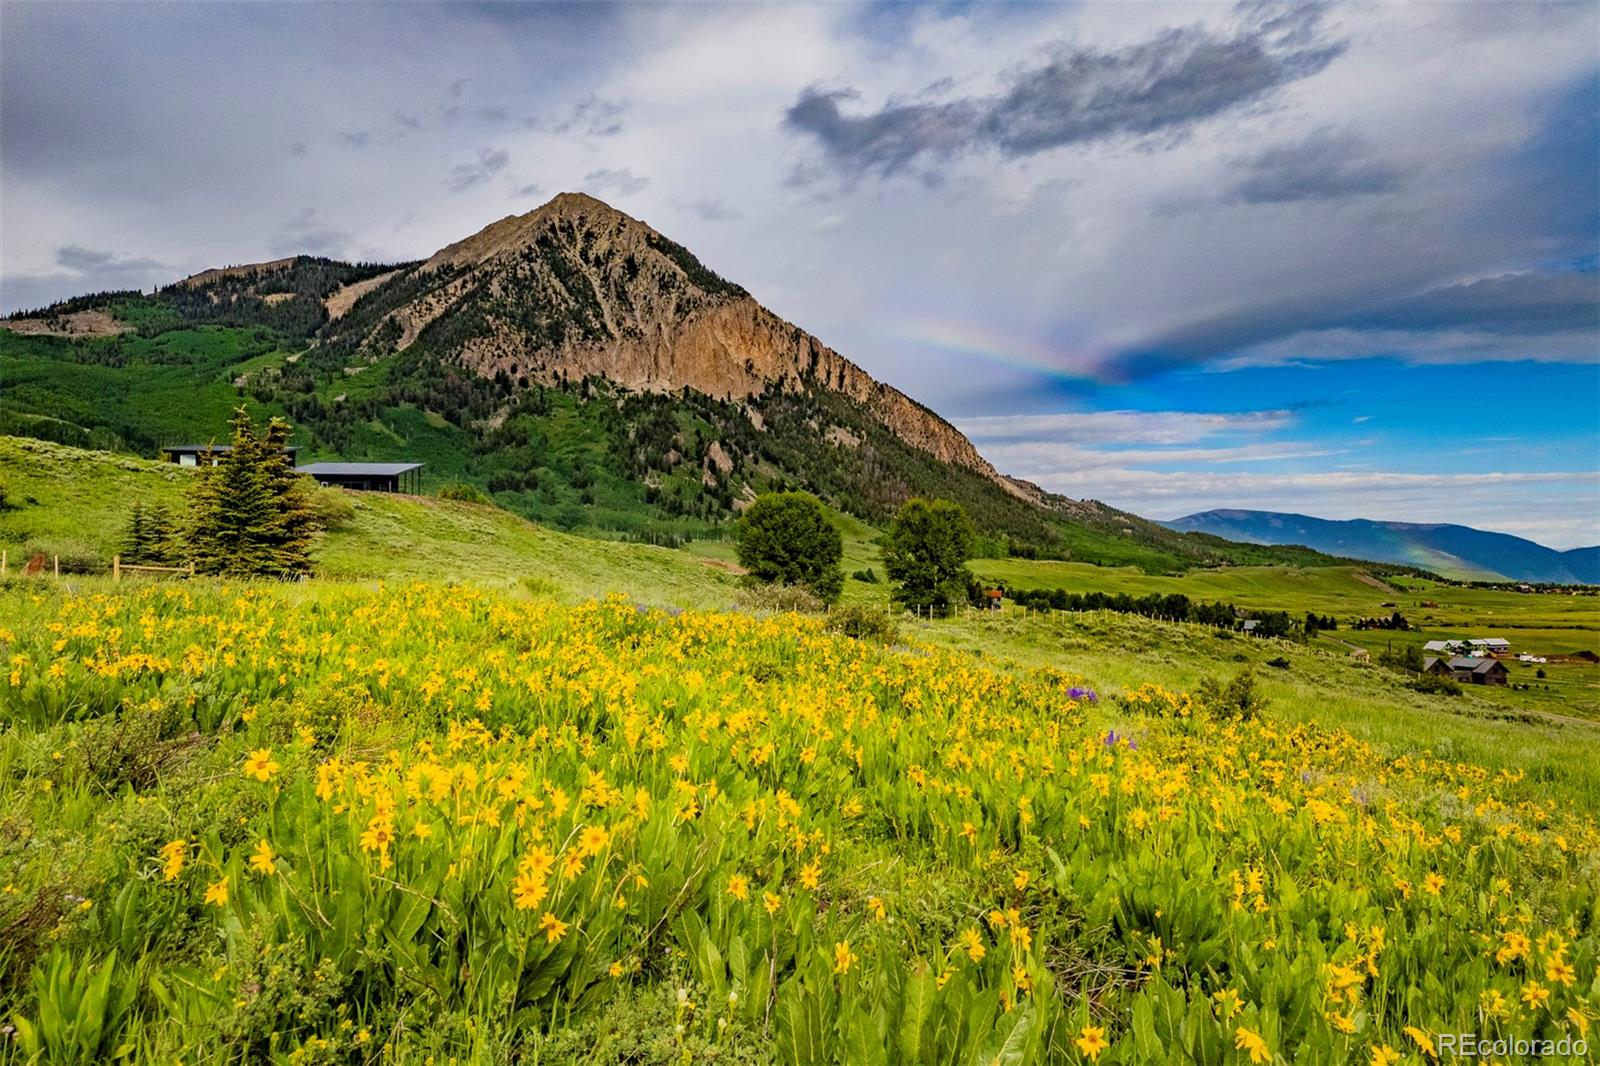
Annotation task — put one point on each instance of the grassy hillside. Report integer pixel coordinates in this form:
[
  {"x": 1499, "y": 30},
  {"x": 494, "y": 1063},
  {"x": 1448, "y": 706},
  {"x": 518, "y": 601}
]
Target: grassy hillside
[{"x": 62, "y": 500}]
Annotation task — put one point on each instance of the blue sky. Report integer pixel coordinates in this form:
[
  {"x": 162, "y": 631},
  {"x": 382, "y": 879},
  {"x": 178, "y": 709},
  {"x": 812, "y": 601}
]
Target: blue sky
[{"x": 1330, "y": 258}]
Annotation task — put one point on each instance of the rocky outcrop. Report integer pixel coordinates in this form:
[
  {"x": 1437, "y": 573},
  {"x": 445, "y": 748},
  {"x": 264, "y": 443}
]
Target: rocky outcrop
[{"x": 576, "y": 288}]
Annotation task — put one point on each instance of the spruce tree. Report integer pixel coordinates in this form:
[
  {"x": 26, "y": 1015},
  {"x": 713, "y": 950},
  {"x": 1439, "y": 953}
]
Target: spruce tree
[
  {"x": 135, "y": 544},
  {"x": 251, "y": 514},
  {"x": 292, "y": 493}
]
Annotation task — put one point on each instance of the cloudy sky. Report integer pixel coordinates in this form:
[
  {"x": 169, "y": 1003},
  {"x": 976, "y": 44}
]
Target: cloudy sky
[{"x": 1335, "y": 259}]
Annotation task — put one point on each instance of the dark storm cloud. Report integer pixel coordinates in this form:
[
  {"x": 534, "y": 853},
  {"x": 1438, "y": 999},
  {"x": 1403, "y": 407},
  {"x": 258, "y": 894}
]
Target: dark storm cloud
[
  {"x": 1162, "y": 86},
  {"x": 889, "y": 140},
  {"x": 464, "y": 176},
  {"x": 82, "y": 270},
  {"x": 90, "y": 261},
  {"x": 1324, "y": 166},
  {"x": 1512, "y": 304},
  {"x": 1538, "y": 305}
]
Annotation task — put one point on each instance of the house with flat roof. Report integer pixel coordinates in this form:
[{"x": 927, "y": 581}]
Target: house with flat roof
[
  {"x": 205, "y": 454},
  {"x": 367, "y": 477}
]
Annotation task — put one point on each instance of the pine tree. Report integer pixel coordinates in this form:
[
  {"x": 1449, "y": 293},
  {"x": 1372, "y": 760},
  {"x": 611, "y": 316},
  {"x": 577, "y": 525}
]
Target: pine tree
[
  {"x": 292, "y": 493},
  {"x": 251, "y": 514},
  {"x": 135, "y": 545}
]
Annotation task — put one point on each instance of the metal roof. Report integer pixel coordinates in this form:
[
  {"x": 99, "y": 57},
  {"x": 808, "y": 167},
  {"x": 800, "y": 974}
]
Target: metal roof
[
  {"x": 213, "y": 447},
  {"x": 358, "y": 469}
]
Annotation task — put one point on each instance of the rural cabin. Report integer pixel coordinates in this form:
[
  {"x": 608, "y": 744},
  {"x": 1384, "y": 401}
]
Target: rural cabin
[
  {"x": 1471, "y": 671},
  {"x": 362, "y": 477},
  {"x": 367, "y": 477},
  {"x": 205, "y": 454}
]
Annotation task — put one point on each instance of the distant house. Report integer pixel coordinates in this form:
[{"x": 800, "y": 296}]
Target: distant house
[
  {"x": 1249, "y": 625},
  {"x": 1490, "y": 645},
  {"x": 1361, "y": 655},
  {"x": 1468, "y": 670},
  {"x": 204, "y": 454},
  {"x": 1436, "y": 666},
  {"x": 367, "y": 477},
  {"x": 1441, "y": 645}
]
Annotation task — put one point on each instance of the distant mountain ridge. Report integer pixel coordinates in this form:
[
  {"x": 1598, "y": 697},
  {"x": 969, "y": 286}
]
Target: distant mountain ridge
[{"x": 1455, "y": 550}]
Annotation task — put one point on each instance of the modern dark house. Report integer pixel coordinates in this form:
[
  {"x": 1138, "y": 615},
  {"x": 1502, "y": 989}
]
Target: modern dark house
[
  {"x": 1472, "y": 671},
  {"x": 204, "y": 454},
  {"x": 367, "y": 477}
]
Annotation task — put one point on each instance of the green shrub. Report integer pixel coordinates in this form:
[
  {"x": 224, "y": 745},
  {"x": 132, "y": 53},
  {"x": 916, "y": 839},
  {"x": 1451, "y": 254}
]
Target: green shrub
[
  {"x": 864, "y": 622},
  {"x": 334, "y": 508},
  {"x": 778, "y": 598},
  {"x": 1435, "y": 685},
  {"x": 1234, "y": 699},
  {"x": 463, "y": 491},
  {"x": 869, "y": 576}
]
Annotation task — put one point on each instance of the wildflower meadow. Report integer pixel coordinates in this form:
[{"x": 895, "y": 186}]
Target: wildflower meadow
[{"x": 338, "y": 824}]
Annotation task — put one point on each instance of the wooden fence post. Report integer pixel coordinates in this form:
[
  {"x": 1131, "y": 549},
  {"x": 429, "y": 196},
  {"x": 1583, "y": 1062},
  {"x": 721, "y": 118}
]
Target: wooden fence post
[
  {"x": 4, "y": 559},
  {"x": 116, "y": 568},
  {"x": 57, "y": 560}
]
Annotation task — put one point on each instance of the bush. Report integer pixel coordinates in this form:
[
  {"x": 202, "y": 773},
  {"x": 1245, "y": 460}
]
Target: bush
[
  {"x": 778, "y": 598},
  {"x": 1235, "y": 699},
  {"x": 1435, "y": 685},
  {"x": 466, "y": 493},
  {"x": 1280, "y": 663},
  {"x": 785, "y": 538},
  {"x": 869, "y": 576},
  {"x": 864, "y": 622},
  {"x": 334, "y": 508}
]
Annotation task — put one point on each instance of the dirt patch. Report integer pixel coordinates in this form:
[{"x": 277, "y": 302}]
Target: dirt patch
[
  {"x": 341, "y": 300},
  {"x": 92, "y": 323},
  {"x": 723, "y": 564},
  {"x": 1367, "y": 579}
]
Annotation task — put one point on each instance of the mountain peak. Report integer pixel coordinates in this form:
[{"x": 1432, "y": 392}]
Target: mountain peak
[
  {"x": 576, "y": 289},
  {"x": 517, "y": 231}
]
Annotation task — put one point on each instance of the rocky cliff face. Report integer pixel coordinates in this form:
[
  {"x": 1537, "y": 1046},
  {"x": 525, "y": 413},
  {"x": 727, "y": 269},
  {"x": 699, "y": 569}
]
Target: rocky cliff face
[{"x": 577, "y": 289}]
